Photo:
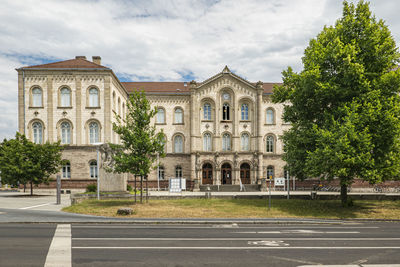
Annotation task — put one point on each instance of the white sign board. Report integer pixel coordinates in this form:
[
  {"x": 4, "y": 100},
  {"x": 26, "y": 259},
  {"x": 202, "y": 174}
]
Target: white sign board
[
  {"x": 279, "y": 181},
  {"x": 176, "y": 185}
]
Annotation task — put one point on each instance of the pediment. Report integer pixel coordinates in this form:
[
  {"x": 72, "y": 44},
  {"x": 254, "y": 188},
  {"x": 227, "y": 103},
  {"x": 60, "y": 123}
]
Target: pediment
[{"x": 226, "y": 73}]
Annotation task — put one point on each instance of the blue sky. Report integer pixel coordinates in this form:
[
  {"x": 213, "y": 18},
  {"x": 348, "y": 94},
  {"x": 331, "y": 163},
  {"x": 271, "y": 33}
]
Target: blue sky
[{"x": 164, "y": 40}]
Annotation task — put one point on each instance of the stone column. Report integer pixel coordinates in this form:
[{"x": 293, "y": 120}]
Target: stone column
[
  {"x": 78, "y": 103},
  {"x": 21, "y": 103},
  {"x": 50, "y": 126},
  {"x": 259, "y": 134},
  {"x": 107, "y": 109}
]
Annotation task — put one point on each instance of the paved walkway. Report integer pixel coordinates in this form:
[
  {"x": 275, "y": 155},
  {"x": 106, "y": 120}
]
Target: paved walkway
[{"x": 23, "y": 201}]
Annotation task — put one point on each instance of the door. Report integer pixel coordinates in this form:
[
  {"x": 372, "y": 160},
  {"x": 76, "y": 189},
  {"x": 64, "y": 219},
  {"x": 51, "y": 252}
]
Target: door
[
  {"x": 226, "y": 174},
  {"x": 207, "y": 174},
  {"x": 245, "y": 173}
]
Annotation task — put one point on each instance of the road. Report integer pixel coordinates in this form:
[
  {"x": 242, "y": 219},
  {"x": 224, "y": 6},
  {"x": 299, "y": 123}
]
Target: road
[{"x": 359, "y": 244}]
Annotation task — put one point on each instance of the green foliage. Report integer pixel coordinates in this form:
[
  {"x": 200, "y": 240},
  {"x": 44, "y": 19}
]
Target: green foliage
[
  {"x": 345, "y": 106},
  {"x": 140, "y": 142},
  {"x": 22, "y": 161},
  {"x": 129, "y": 187},
  {"x": 91, "y": 188}
]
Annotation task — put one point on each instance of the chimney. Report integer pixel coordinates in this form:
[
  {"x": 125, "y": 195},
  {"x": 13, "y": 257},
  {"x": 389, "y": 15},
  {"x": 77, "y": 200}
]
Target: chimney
[
  {"x": 96, "y": 60},
  {"x": 80, "y": 57}
]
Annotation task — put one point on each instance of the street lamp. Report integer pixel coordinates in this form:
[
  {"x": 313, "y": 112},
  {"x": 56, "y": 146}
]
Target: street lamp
[{"x": 98, "y": 168}]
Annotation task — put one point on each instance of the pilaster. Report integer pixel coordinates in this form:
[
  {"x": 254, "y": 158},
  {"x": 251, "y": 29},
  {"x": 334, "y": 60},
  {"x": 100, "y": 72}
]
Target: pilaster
[
  {"x": 107, "y": 109},
  {"x": 78, "y": 101},
  {"x": 50, "y": 108},
  {"x": 21, "y": 103}
]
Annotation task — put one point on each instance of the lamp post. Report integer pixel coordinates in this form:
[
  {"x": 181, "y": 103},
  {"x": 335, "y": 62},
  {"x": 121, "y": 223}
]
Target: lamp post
[{"x": 98, "y": 168}]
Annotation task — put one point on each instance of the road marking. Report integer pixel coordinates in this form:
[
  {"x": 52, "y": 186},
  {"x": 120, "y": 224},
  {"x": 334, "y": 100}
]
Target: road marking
[
  {"x": 239, "y": 248},
  {"x": 352, "y": 265},
  {"x": 299, "y": 232},
  {"x": 210, "y": 227},
  {"x": 59, "y": 254},
  {"x": 31, "y": 207},
  {"x": 278, "y": 243},
  {"x": 233, "y": 239}
]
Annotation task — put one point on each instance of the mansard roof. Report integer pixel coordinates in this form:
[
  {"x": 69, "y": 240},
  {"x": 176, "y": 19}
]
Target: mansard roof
[{"x": 76, "y": 63}]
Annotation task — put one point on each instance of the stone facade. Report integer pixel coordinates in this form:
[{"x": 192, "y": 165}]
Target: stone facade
[{"x": 229, "y": 130}]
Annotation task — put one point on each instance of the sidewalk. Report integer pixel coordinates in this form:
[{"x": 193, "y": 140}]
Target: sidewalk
[{"x": 23, "y": 201}]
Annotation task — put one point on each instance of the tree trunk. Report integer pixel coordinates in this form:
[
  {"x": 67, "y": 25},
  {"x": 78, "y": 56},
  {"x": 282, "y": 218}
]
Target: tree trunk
[
  {"x": 343, "y": 194},
  {"x": 141, "y": 189},
  {"x": 24, "y": 187},
  {"x": 135, "y": 189},
  {"x": 31, "y": 188},
  {"x": 147, "y": 189}
]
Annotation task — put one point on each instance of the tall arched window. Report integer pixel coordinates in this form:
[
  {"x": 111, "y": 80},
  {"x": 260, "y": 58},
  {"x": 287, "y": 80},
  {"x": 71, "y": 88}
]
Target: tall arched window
[
  {"x": 178, "y": 144},
  {"x": 93, "y": 97},
  {"x": 37, "y": 129},
  {"x": 245, "y": 112},
  {"x": 94, "y": 133},
  {"x": 65, "y": 133},
  {"x": 66, "y": 170},
  {"x": 226, "y": 142},
  {"x": 207, "y": 111},
  {"x": 65, "y": 97},
  {"x": 179, "y": 116},
  {"x": 207, "y": 144},
  {"x": 178, "y": 172},
  {"x": 114, "y": 102},
  {"x": 270, "y": 116},
  {"x": 160, "y": 115},
  {"x": 270, "y": 143},
  {"x": 245, "y": 141},
  {"x": 225, "y": 112},
  {"x": 93, "y": 169},
  {"x": 123, "y": 110},
  {"x": 270, "y": 172},
  {"x": 119, "y": 106},
  {"x": 37, "y": 97}
]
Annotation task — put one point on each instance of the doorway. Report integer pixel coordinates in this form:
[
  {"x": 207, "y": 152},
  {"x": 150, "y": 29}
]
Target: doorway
[
  {"x": 226, "y": 174},
  {"x": 207, "y": 174},
  {"x": 245, "y": 173}
]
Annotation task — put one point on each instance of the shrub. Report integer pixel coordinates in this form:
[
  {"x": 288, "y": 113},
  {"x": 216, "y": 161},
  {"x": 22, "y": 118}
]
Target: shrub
[
  {"x": 129, "y": 187},
  {"x": 91, "y": 188}
]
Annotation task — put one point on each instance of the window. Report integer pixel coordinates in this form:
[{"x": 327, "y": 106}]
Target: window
[
  {"x": 66, "y": 170},
  {"x": 93, "y": 169},
  {"x": 270, "y": 172},
  {"x": 37, "y": 132},
  {"x": 178, "y": 144},
  {"x": 207, "y": 111},
  {"x": 160, "y": 115},
  {"x": 113, "y": 103},
  {"x": 245, "y": 142},
  {"x": 225, "y": 112},
  {"x": 207, "y": 145},
  {"x": 123, "y": 110},
  {"x": 226, "y": 142},
  {"x": 270, "y": 143},
  {"x": 65, "y": 97},
  {"x": 94, "y": 133},
  {"x": 270, "y": 116},
  {"x": 245, "y": 112},
  {"x": 65, "y": 133},
  {"x": 37, "y": 97},
  {"x": 178, "y": 172},
  {"x": 160, "y": 173},
  {"x": 93, "y": 97},
  {"x": 178, "y": 115},
  {"x": 164, "y": 143},
  {"x": 119, "y": 106}
]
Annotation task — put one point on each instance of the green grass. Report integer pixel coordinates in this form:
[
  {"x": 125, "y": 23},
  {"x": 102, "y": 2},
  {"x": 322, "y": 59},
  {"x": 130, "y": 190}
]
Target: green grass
[{"x": 242, "y": 208}]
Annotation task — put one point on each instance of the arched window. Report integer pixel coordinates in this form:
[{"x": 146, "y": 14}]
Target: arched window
[
  {"x": 270, "y": 172},
  {"x": 123, "y": 111},
  {"x": 179, "y": 116},
  {"x": 245, "y": 141},
  {"x": 93, "y": 169},
  {"x": 245, "y": 112},
  {"x": 270, "y": 143},
  {"x": 164, "y": 143},
  {"x": 161, "y": 173},
  {"x": 225, "y": 112},
  {"x": 37, "y": 129},
  {"x": 207, "y": 143},
  {"x": 178, "y": 144},
  {"x": 178, "y": 172},
  {"x": 37, "y": 97},
  {"x": 207, "y": 111},
  {"x": 93, "y": 97},
  {"x": 114, "y": 102},
  {"x": 66, "y": 170},
  {"x": 94, "y": 133},
  {"x": 119, "y": 106},
  {"x": 160, "y": 115},
  {"x": 65, "y": 133},
  {"x": 65, "y": 97},
  {"x": 226, "y": 142},
  {"x": 270, "y": 116}
]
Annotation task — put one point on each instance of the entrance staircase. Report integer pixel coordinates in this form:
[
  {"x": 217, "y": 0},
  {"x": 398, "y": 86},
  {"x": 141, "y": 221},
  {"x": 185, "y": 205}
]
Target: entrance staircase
[{"x": 230, "y": 188}]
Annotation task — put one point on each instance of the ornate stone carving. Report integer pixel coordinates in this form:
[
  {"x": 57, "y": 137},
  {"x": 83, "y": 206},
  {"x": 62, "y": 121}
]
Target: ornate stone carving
[{"x": 107, "y": 160}]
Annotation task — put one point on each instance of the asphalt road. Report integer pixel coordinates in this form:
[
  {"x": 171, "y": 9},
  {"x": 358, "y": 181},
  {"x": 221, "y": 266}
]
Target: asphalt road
[{"x": 357, "y": 244}]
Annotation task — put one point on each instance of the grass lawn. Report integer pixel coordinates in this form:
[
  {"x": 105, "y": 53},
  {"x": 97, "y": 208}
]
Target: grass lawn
[{"x": 242, "y": 208}]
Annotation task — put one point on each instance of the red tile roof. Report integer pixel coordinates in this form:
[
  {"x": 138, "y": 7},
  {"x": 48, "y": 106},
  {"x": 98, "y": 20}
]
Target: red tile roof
[{"x": 76, "y": 63}]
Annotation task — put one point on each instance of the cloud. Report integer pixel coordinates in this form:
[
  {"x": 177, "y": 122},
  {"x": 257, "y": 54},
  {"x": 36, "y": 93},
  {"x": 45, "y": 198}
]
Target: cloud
[{"x": 164, "y": 40}]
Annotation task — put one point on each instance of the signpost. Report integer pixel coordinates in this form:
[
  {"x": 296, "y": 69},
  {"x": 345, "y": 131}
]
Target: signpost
[{"x": 269, "y": 202}]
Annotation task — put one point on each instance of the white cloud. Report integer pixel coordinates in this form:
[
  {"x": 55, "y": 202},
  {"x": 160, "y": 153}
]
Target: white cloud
[{"x": 164, "y": 40}]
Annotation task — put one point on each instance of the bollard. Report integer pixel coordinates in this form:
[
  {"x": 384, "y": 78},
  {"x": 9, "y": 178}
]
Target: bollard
[{"x": 58, "y": 189}]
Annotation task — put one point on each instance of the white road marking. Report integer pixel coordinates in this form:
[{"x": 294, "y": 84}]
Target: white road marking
[
  {"x": 233, "y": 239},
  {"x": 278, "y": 243},
  {"x": 239, "y": 248},
  {"x": 31, "y": 207},
  {"x": 59, "y": 254},
  {"x": 208, "y": 227},
  {"x": 299, "y": 232},
  {"x": 352, "y": 265}
]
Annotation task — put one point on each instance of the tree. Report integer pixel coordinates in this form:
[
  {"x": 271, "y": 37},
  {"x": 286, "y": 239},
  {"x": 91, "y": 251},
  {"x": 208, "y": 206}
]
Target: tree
[
  {"x": 344, "y": 105},
  {"x": 140, "y": 142},
  {"x": 22, "y": 161}
]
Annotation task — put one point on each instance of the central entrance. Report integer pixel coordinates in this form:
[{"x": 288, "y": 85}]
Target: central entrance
[
  {"x": 226, "y": 174},
  {"x": 245, "y": 173},
  {"x": 207, "y": 174}
]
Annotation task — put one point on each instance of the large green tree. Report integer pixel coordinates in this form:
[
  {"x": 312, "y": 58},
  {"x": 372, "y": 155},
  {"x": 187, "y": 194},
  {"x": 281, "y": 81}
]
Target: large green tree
[
  {"x": 22, "y": 161},
  {"x": 140, "y": 143},
  {"x": 344, "y": 105}
]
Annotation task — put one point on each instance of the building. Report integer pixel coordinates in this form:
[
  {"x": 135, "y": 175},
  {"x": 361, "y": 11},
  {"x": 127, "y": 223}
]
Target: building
[{"x": 219, "y": 131}]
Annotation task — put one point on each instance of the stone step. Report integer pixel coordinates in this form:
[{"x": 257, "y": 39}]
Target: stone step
[{"x": 229, "y": 188}]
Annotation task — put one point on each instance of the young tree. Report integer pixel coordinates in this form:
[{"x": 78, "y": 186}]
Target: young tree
[
  {"x": 344, "y": 106},
  {"x": 22, "y": 161},
  {"x": 140, "y": 142}
]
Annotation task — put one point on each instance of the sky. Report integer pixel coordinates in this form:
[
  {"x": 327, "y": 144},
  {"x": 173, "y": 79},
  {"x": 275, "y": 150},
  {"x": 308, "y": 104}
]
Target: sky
[{"x": 164, "y": 40}]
